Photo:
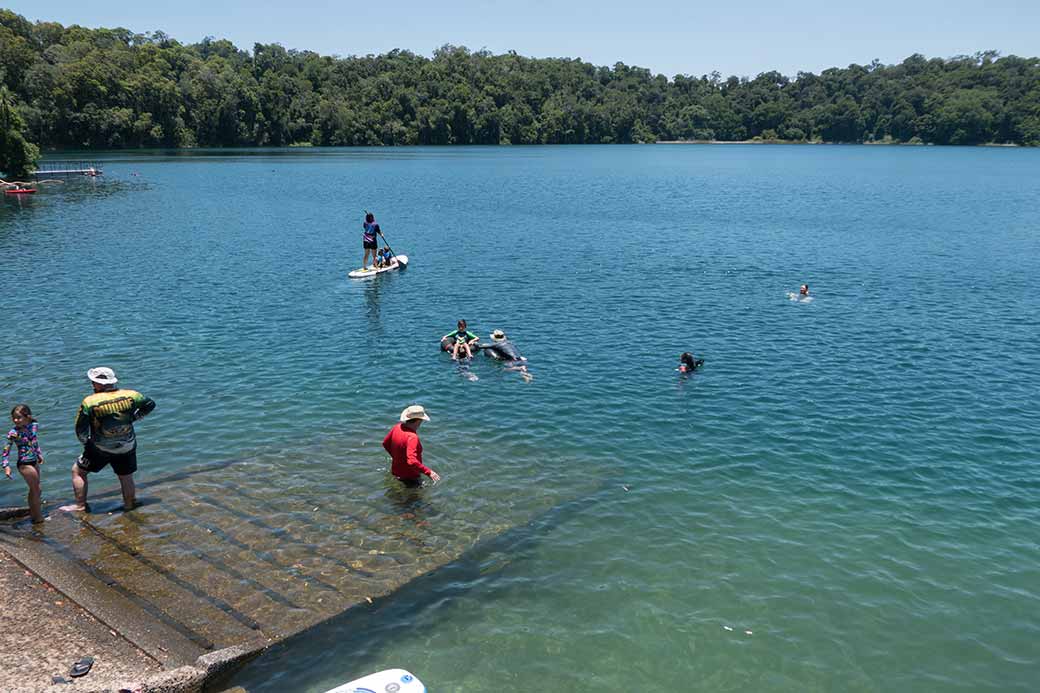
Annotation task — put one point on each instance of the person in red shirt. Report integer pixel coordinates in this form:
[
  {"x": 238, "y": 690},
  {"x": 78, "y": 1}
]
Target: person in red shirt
[{"x": 402, "y": 442}]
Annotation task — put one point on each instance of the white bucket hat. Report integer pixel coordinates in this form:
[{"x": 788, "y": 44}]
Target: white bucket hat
[
  {"x": 414, "y": 412},
  {"x": 102, "y": 376},
  {"x": 498, "y": 334}
]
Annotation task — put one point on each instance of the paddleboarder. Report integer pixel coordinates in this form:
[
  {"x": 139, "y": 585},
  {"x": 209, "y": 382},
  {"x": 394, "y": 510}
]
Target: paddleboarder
[{"x": 369, "y": 238}]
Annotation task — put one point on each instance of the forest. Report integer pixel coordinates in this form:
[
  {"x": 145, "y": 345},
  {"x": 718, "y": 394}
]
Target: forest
[{"x": 76, "y": 87}]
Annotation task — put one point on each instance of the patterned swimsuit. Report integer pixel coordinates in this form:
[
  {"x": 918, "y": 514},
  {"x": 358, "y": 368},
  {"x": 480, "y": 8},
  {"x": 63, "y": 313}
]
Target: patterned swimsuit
[{"x": 24, "y": 439}]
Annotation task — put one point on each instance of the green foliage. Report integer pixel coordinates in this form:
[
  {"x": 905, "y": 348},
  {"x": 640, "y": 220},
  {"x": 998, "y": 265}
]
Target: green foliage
[
  {"x": 83, "y": 88},
  {"x": 17, "y": 157}
]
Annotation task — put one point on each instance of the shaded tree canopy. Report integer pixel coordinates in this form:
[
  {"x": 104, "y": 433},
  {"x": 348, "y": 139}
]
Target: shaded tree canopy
[{"x": 109, "y": 88}]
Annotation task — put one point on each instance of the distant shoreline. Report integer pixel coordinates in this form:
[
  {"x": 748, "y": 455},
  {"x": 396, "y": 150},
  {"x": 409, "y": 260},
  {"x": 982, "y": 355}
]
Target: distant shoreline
[{"x": 871, "y": 144}]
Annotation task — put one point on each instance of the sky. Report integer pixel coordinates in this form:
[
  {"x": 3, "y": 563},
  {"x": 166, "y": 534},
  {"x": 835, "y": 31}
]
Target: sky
[{"x": 667, "y": 36}]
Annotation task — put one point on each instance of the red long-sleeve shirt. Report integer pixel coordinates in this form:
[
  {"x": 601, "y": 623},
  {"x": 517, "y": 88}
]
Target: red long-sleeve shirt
[{"x": 406, "y": 451}]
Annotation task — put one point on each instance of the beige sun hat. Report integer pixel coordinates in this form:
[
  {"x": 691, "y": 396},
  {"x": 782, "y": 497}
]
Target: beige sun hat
[
  {"x": 498, "y": 334},
  {"x": 102, "y": 375},
  {"x": 414, "y": 412}
]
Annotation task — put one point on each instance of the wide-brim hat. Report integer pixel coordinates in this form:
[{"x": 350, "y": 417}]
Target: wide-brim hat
[
  {"x": 498, "y": 334},
  {"x": 102, "y": 375},
  {"x": 414, "y": 412}
]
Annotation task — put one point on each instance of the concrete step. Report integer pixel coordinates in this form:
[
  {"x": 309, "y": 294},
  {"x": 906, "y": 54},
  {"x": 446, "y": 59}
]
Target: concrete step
[
  {"x": 147, "y": 576},
  {"x": 165, "y": 640}
]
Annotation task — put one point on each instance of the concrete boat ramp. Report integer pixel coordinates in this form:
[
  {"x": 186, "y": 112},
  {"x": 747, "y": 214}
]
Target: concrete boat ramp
[{"x": 217, "y": 564}]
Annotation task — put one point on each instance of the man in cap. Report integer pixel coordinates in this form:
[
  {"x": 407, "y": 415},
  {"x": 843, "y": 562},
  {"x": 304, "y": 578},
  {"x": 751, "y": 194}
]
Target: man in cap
[
  {"x": 402, "y": 442},
  {"x": 105, "y": 426}
]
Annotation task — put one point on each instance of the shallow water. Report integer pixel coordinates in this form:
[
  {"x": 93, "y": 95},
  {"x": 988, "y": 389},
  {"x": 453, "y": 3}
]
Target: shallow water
[{"x": 850, "y": 479}]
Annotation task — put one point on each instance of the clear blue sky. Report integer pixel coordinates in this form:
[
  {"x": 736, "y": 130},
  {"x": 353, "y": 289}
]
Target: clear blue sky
[{"x": 668, "y": 36}]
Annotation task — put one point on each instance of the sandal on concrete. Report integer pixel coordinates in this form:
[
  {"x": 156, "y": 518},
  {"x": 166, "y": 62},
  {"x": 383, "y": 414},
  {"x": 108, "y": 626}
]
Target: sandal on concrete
[{"x": 82, "y": 667}]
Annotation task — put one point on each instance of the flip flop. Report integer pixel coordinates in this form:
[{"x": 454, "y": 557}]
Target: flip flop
[{"x": 82, "y": 667}]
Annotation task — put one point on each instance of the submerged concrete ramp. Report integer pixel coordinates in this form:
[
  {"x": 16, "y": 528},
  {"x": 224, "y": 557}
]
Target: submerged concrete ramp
[{"x": 220, "y": 556}]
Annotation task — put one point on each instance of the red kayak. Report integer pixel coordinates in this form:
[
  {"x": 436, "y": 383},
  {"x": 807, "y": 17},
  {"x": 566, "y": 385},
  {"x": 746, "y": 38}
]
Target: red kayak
[{"x": 20, "y": 191}]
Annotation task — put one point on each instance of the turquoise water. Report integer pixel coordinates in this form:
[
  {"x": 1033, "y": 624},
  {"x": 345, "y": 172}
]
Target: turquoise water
[{"x": 852, "y": 480}]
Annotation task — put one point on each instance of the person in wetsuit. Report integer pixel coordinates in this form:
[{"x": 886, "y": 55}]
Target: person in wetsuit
[
  {"x": 688, "y": 364},
  {"x": 502, "y": 349},
  {"x": 105, "y": 426}
]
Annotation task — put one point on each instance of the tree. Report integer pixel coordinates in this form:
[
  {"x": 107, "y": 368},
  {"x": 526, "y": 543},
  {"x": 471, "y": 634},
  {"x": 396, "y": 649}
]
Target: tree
[
  {"x": 17, "y": 156},
  {"x": 80, "y": 87}
]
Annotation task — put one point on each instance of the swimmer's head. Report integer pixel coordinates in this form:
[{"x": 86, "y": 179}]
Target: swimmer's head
[{"x": 804, "y": 291}]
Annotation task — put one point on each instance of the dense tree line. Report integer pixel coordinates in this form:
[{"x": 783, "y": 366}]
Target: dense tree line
[{"x": 101, "y": 88}]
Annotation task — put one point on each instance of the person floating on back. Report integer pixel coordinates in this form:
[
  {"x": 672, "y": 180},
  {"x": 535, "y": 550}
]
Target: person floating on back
[
  {"x": 688, "y": 364},
  {"x": 105, "y": 426},
  {"x": 24, "y": 439},
  {"x": 461, "y": 341},
  {"x": 402, "y": 442},
  {"x": 369, "y": 238},
  {"x": 504, "y": 350}
]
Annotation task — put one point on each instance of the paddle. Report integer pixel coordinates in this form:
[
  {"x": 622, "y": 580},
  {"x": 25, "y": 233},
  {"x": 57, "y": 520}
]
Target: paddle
[{"x": 403, "y": 263}]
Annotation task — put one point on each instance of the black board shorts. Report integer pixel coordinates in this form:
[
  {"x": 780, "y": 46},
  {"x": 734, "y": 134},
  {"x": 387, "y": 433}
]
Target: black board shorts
[
  {"x": 94, "y": 460},
  {"x": 370, "y": 245}
]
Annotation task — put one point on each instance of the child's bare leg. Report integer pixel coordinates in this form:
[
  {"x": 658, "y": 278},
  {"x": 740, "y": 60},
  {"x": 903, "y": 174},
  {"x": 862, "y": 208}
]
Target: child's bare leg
[{"x": 32, "y": 477}]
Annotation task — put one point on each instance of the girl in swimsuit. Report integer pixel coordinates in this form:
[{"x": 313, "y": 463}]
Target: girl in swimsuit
[{"x": 24, "y": 438}]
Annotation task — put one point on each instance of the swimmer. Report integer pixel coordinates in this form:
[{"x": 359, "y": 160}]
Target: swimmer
[
  {"x": 804, "y": 290},
  {"x": 501, "y": 349},
  {"x": 688, "y": 364}
]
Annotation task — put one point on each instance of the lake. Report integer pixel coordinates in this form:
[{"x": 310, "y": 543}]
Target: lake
[{"x": 842, "y": 498}]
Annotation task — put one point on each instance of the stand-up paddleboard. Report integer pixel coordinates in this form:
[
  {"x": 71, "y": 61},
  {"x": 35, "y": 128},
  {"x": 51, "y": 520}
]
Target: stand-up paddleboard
[
  {"x": 391, "y": 680},
  {"x": 399, "y": 262}
]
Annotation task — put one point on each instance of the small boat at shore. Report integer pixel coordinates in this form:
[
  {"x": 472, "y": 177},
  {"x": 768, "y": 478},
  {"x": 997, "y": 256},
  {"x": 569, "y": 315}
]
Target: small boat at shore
[
  {"x": 397, "y": 680},
  {"x": 20, "y": 191},
  {"x": 399, "y": 262}
]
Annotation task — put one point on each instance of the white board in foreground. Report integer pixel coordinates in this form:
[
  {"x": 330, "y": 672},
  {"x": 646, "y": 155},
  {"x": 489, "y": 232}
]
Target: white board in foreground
[{"x": 389, "y": 681}]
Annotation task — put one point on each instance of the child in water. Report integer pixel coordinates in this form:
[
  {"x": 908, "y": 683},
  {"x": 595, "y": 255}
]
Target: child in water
[
  {"x": 461, "y": 341},
  {"x": 24, "y": 438},
  {"x": 688, "y": 364}
]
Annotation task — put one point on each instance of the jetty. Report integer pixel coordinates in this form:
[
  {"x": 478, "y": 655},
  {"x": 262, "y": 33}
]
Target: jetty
[{"x": 54, "y": 168}]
